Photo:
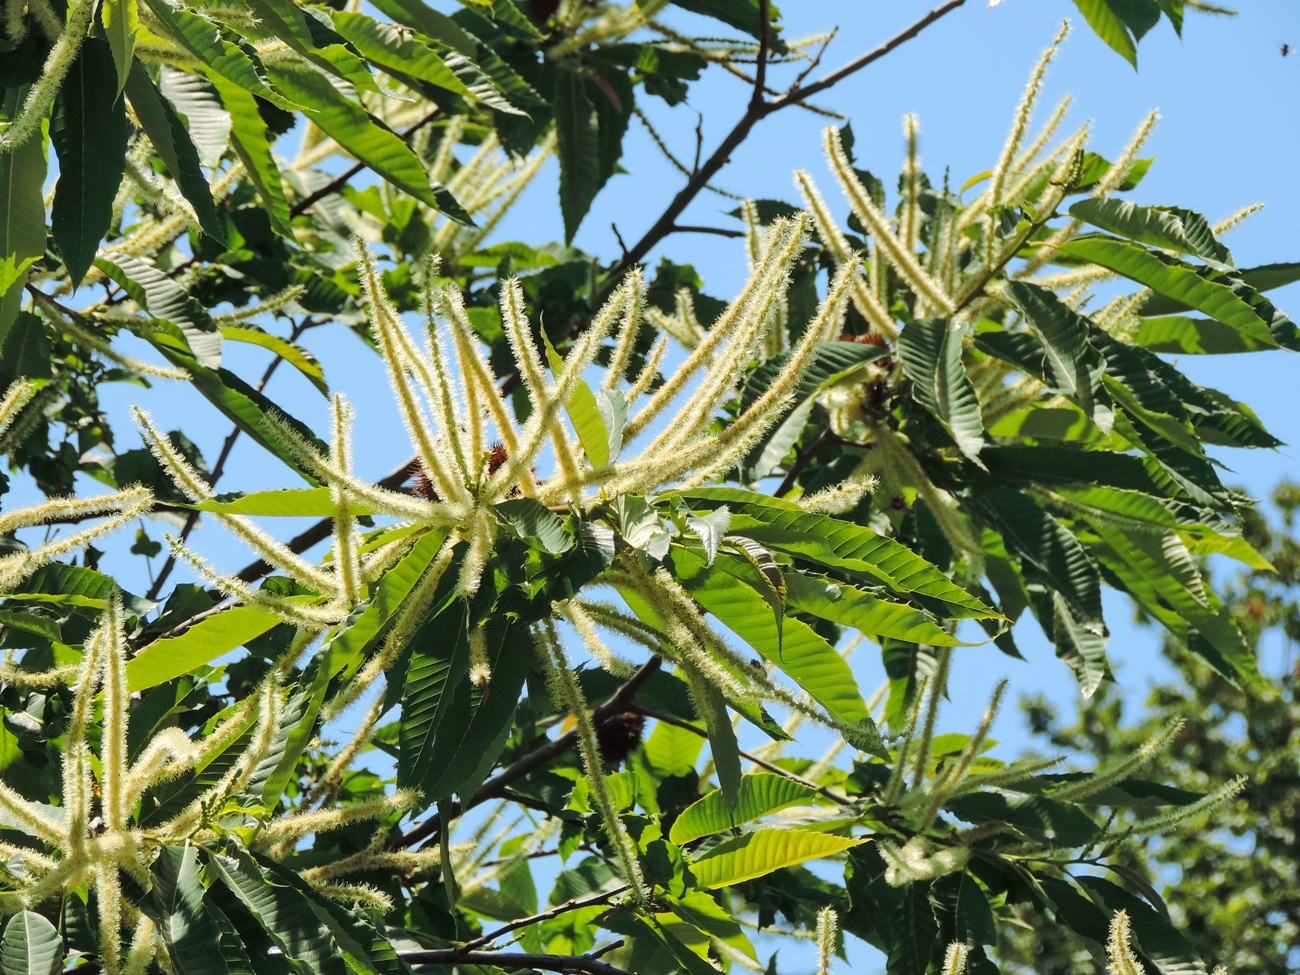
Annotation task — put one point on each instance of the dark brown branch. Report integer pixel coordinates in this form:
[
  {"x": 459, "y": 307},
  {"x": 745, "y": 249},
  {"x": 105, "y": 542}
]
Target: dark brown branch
[
  {"x": 572, "y": 964},
  {"x": 321, "y": 530},
  {"x": 804, "y": 92},
  {"x": 801, "y": 462},
  {"x": 685, "y": 228},
  {"x": 758, "y": 110},
  {"x": 576, "y": 904},
  {"x": 495, "y": 787}
]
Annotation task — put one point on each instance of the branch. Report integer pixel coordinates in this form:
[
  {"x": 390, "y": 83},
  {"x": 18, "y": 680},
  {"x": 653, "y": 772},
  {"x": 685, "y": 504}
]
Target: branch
[
  {"x": 747, "y": 756},
  {"x": 575, "y": 904},
  {"x": 764, "y": 44},
  {"x": 757, "y": 110},
  {"x": 685, "y": 228},
  {"x": 573, "y": 964},
  {"x": 495, "y": 787}
]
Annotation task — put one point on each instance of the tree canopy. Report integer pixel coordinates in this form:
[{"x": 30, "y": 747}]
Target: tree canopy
[{"x": 543, "y": 697}]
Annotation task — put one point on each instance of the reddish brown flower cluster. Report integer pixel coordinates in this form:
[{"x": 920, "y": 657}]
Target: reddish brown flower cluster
[
  {"x": 422, "y": 484},
  {"x": 618, "y": 735}
]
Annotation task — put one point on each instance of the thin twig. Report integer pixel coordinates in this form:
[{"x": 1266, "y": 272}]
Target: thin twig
[
  {"x": 684, "y": 228},
  {"x": 757, "y": 110},
  {"x": 575, "y": 904},
  {"x": 573, "y": 964},
  {"x": 747, "y": 756}
]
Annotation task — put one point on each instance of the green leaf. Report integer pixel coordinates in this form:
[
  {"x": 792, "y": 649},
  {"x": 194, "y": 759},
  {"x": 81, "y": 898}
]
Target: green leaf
[
  {"x": 640, "y": 525},
  {"x": 252, "y": 140},
  {"x": 402, "y": 52},
  {"x": 671, "y": 750},
  {"x": 763, "y": 851},
  {"x": 930, "y": 351},
  {"x": 911, "y": 930},
  {"x": 759, "y": 794},
  {"x": 1171, "y": 228},
  {"x": 1077, "y": 641},
  {"x": 207, "y": 123},
  {"x": 175, "y": 905},
  {"x": 598, "y": 418},
  {"x": 740, "y": 14},
  {"x": 22, "y": 218},
  {"x": 1179, "y": 334},
  {"x": 1048, "y": 821},
  {"x": 796, "y": 648},
  {"x": 436, "y": 670},
  {"x": 722, "y": 739},
  {"x": 477, "y": 720},
  {"x": 202, "y": 643},
  {"x": 283, "y": 913},
  {"x": 283, "y": 503},
  {"x": 348, "y": 124},
  {"x": 121, "y": 21},
  {"x": 1048, "y": 552},
  {"x": 174, "y": 139},
  {"x": 578, "y": 146},
  {"x": 167, "y": 301},
  {"x": 1166, "y": 276},
  {"x": 30, "y": 945},
  {"x": 531, "y": 520},
  {"x": 841, "y": 545},
  {"x": 856, "y": 608},
  {"x": 1110, "y": 27},
  {"x": 1070, "y": 362},
  {"x": 710, "y": 529},
  {"x": 299, "y": 358},
  {"x": 90, "y": 132}
]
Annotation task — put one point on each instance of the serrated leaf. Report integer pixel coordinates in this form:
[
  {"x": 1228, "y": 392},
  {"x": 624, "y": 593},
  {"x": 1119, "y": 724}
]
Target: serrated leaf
[
  {"x": 22, "y": 219},
  {"x": 89, "y": 131},
  {"x": 1049, "y": 553},
  {"x": 175, "y": 905},
  {"x": 352, "y": 127},
  {"x": 796, "y": 648},
  {"x": 710, "y": 529},
  {"x": 299, "y": 358},
  {"x": 1110, "y": 27},
  {"x": 640, "y": 525},
  {"x": 759, "y": 795},
  {"x": 202, "y": 643},
  {"x": 1077, "y": 641},
  {"x": 31, "y": 945},
  {"x": 532, "y": 520},
  {"x": 401, "y": 51},
  {"x": 841, "y": 545},
  {"x": 283, "y": 913},
  {"x": 121, "y": 22},
  {"x": 722, "y": 739},
  {"x": 1183, "y": 335},
  {"x": 175, "y": 140},
  {"x": 578, "y": 146},
  {"x": 1051, "y": 821},
  {"x": 763, "y": 851},
  {"x": 477, "y": 720},
  {"x": 252, "y": 140},
  {"x": 856, "y": 608},
  {"x": 1166, "y": 276},
  {"x": 168, "y": 302},
  {"x": 1070, "y": 362},
  {"x": 1171, "y": 228},
  {"x": 208, "y": 124},
  {"x": 281, "y": 503},
  {"x": 931, "y": 353}
]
